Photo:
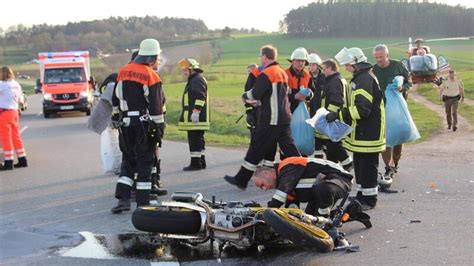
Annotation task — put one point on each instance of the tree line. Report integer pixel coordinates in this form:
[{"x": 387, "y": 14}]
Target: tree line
[
  {"x": 111, "y": 35},
  {"x": 378, "y": 18}
]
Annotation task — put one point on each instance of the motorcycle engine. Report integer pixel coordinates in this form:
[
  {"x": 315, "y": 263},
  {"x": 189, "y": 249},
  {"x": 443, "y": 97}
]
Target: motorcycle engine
[{"x": 233, "y": 215}]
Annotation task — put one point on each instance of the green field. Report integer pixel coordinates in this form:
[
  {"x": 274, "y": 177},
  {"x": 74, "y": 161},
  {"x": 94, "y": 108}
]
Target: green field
[{"x": 227, "y": 76}]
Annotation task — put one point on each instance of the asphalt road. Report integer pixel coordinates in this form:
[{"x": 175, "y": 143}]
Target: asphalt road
[{"x": 63, "y": 192}]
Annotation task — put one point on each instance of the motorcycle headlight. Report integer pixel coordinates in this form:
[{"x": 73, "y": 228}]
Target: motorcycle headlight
[{"x": 47, "y": 96}]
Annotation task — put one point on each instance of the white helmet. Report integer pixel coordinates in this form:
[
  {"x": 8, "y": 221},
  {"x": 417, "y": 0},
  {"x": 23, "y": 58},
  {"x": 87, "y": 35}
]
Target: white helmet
[
  {"x": 299, "y": 53},
  {"x": 314, "y": 59},
  {"x": 149, "y": 47},
  {"x": 351, "y": 56}
]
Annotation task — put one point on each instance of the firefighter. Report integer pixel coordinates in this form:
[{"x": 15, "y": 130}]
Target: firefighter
[
  {"x": 270, "y": 93},
  {"x": 386, "y": 70},
  {"x": 107, "y": 89},
  {"x": 10, "y": 92},
  {"x": 138, "y": 102},
  {"x": 317, "y": 80},
  {"x": 195, "y": 113},
  {"x": 334, "y": 96},
  {"x": 299, "y": 80},
  {"x": 297, "y": 179},
  {"x": 251, "y": 114},
  {"x": 365, "y": 112}
]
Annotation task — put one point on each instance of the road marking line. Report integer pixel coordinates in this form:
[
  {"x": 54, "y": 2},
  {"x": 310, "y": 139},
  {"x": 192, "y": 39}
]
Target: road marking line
[{"x": 23, "y": 129}]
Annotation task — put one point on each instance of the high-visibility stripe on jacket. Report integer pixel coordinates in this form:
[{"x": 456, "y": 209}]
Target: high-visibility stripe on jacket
[
  {"x": 139, "y": 88},
  {"x": 295, "y": 81},
  {"x": 334, "y": 96},
  {"x": 271, "y": 89},
  {"x": 195, "y": 96},
  {"x": 365, "y": 113},
  {"x": 297, "y": 175}
]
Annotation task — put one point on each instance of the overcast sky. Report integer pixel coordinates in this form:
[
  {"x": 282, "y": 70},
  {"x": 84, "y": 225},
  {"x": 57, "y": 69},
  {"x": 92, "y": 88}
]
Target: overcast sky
[{"x": 259, "y": 14}]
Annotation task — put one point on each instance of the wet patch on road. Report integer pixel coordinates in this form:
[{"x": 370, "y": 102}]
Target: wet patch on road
[
  {"x": 143, "y": 246},
  {"x": 15, "y": 243}
]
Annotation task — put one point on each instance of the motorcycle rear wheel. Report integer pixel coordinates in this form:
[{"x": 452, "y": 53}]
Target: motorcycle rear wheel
[
  {"x": 301, "y": 234},
  {"x": 160, "y": 220}
]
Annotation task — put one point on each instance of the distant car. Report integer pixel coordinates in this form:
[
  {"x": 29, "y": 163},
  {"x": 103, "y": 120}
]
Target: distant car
[{"x": 23, "y": 76}]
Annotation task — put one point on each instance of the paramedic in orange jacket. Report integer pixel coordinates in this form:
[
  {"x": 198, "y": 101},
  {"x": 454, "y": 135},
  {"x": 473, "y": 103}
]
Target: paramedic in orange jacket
[{"x": 10, "y": 92}]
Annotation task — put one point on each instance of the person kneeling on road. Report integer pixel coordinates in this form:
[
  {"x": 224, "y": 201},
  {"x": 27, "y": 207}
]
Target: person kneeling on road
[{"x": 319, "y": 182}]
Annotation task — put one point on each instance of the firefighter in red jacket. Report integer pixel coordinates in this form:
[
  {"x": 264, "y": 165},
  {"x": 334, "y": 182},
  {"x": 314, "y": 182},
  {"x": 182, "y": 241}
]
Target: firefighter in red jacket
[
  {"x": 271, "y": 95},
  {"x": 138, "y": 102},
  {"x": 297, "y": 179}
]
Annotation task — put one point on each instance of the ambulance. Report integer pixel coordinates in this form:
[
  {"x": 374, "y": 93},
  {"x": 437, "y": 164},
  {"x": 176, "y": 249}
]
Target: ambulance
[{"x": 65, "y": 81}]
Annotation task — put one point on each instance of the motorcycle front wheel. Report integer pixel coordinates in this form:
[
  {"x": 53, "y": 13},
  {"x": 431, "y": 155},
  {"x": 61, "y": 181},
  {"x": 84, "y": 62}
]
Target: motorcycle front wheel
[
  {"x": 165, "y": 221},
  {"x": 301, "y": 234}
]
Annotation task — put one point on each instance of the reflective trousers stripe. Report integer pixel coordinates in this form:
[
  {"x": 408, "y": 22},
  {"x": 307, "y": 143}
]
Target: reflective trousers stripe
[
  {"x": 324, "y": 211},
  {"x": 143, "y": 185},
  {"x": 125, "y": 180},
  {"x": 249, "y": 166},
  {"x": 195, "y": 154},
  {"x": 267, "y": 163},
  {"x": 370, "y": 191}
]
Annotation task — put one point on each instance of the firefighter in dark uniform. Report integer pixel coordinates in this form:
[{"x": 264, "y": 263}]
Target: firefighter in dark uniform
[
  {"x": 195, "y": 116},
  {"x": 273, "y": 118},
  {"x": 319, "y": 182},
  {"x": 299, "y": 80},
  {"x": 365, "y": 112},
  {"x": 333, "y": 98},
  {"x": 251, "y": 115},
  {"x": 138, "y": 102},
  {"x": 317, "y": 80}
]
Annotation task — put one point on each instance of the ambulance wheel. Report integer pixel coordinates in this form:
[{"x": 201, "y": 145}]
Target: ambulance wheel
[
  {"x": 46, "y": 114},
  {"x": 165, "y": 221},
  {"x": 302, "y": 234}
]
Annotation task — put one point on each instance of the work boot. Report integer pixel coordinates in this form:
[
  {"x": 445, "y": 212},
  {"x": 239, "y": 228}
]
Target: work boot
[
  {"x": 203, "y": 161},
  {"x": 122, "y": 205},
  {"x": 455, "y": 128},
  {"x": 194, "y": 165},
  {"x": 233, "y": 181},
  {"x": 241, "y": 179},
  {"x": 7, "y": 165},
  {"x": 157, "y": 188},
  {"x": 22, "y": 162},
  {"x": 367, "y": 202}
]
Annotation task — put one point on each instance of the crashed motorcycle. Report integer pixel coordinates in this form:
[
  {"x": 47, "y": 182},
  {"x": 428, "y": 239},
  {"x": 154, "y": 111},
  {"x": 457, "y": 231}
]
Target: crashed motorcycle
[{"x": 191, "y": 219}]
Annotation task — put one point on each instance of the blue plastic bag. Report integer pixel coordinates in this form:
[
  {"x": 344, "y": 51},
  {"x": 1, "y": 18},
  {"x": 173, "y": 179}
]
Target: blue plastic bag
[
  {"x": 301, "y": 132},
  {"x": 335, "y": 130},
  {"x": 400, "y": 127}
]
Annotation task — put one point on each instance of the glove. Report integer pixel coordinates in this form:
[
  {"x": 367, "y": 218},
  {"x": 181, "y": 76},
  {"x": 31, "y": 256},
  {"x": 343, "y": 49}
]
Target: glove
[
  {"x": 331, "y": 117},
  {"x": 250, "y": 119},
  {"x": 304, "y": 91},
  {"x": 195, "y": 117}
]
